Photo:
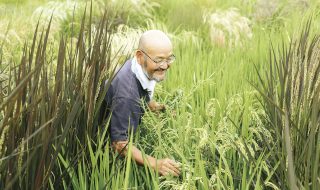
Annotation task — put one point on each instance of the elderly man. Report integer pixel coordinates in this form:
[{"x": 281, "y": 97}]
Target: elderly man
[{"x": 135, "y": 82}]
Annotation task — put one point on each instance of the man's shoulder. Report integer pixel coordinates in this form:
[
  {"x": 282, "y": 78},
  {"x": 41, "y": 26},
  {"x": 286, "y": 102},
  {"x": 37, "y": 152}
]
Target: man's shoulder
[
  {"x": 124, "y": 82},
  {"x": 124, "y": 71},
  {"x": 124, "y": 76}
]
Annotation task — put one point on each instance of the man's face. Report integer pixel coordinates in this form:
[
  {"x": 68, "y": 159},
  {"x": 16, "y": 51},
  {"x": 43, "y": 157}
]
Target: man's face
[{"x": 156, "y": 62}]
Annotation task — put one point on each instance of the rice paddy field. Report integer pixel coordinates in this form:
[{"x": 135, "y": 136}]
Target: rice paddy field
[{"x": 242, "y": 98}]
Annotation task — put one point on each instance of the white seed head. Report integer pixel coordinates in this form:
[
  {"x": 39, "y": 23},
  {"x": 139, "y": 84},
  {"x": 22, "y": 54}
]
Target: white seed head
[{"x": 228, "y": 28}]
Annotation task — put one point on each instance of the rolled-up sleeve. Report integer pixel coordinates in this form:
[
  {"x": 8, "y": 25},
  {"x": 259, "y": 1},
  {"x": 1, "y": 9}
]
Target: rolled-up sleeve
[{"x": 125, "y": 115}]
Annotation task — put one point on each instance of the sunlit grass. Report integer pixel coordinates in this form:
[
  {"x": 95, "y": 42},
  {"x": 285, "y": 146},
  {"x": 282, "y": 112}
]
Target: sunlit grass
[{"x": 216, "y": 123}]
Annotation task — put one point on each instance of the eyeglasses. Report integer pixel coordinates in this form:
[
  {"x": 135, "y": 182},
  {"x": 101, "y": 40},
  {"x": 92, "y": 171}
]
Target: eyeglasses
[{"x": 160, "y": 61}]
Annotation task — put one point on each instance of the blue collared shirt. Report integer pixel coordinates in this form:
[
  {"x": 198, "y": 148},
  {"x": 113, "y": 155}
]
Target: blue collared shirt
[{"x": 123, "y": 103}]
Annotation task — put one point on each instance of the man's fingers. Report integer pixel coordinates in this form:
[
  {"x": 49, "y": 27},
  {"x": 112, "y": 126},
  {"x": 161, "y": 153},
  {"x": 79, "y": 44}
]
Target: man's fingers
[
  {"x": 168, "y": 166},
  {"x": 175, "y": 164},
  {"x": 170, "y": 171},
  {"x": 174, "y": 168}
]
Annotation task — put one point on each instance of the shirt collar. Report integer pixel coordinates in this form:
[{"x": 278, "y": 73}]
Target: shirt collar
[{"x": 145, "y": 82}]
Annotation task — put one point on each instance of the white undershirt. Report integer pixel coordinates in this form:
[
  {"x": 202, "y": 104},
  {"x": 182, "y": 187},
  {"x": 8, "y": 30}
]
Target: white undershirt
[{"x": 145, "y": 82}]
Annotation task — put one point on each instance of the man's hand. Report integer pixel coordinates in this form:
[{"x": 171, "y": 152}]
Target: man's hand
[
  {"x": 155, "y": 106},
  {"x": 167, "y": 167}
]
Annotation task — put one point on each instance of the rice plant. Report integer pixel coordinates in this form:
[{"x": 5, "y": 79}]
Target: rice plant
[
  {"x": 124, "y": 42},
  {"x": 52, "y": 99},
  {"x": 290, "y": 90},
  {"x": 226, "y": 132},
  {"x": 228, "y": 28},
  {"x": 59, "y": 11}
]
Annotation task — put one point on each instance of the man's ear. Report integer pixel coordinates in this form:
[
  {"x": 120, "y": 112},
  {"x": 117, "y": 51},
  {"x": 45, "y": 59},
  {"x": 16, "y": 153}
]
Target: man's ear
[
  {"x": 139, "y": 56},
  {"x": 136, "y": 53}
]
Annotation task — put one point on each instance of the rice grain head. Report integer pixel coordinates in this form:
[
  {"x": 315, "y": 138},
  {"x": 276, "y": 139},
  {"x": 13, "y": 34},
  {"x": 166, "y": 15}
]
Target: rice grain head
[
  {"x": 59, "y": 11},
  {"x": 228, "y": 28},
  {"x": 2, "y": 140},
  {"x": 126, "y": 39},
  {"x": 20, "y": 156},
  {"x": 265, "y": 9}
]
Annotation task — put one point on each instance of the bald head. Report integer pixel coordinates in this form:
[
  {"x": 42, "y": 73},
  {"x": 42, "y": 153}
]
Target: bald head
[
  {"x": 154, "y": 54},
  {"x": 153, "y": 41}
]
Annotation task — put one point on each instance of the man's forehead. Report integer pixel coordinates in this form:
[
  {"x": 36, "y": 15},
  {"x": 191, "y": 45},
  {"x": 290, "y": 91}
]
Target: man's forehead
[{"x": 161, "y": 52}]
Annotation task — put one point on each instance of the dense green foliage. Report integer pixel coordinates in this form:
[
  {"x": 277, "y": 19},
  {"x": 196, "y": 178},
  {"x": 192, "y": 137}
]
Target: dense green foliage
[{"x": 242, "y": 98}]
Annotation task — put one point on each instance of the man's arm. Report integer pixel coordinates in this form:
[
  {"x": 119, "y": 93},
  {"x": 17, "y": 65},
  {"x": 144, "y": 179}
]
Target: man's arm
[{"x": 163, "y": 166}]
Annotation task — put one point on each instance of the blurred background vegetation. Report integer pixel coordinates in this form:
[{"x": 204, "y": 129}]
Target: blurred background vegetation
[{"x": 242, "y": 97}]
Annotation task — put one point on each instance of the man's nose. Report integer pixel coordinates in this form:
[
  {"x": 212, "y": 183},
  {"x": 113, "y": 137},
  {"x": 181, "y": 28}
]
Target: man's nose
[{"x": 165, "y": 66}]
